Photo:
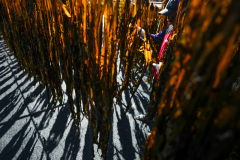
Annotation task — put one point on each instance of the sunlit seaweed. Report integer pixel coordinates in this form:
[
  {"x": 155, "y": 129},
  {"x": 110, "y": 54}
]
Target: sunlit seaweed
[{"x": 78, "y": 42}]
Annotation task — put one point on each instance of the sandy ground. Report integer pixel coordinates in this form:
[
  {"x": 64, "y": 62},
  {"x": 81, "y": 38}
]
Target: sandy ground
[{"x": 28, "y": 132}]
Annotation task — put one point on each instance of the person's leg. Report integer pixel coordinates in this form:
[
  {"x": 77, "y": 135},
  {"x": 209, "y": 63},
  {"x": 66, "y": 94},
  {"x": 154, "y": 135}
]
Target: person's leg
[
  {"x": 152, "y": 110},
  {"x": 153, "y": 89},
  {"x": 143, "y": 116}
]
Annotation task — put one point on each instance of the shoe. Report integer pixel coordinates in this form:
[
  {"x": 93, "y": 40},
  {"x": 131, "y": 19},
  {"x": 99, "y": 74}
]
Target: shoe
[
  {"x": 133, "y": 107},
  {"x": 140, "y": 117}
]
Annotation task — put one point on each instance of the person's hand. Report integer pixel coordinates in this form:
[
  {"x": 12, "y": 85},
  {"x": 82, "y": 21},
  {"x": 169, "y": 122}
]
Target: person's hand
[
  {"x": 158, "y": 66},
  {"x": 140, "y": 31},
  {"x": 132, "y": 26}
]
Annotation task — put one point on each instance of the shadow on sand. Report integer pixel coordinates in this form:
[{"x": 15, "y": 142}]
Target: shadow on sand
[{"x": 30, "y": 132}]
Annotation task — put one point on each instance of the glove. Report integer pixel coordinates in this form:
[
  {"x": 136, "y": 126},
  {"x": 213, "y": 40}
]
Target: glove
[
  {"x": 140, "y": 31},
  {"x": 157, "y": 66}
]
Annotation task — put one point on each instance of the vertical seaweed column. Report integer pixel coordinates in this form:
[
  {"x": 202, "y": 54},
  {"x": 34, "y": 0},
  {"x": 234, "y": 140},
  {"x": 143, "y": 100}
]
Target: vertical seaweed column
[{"x": 78, "y": 42}]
